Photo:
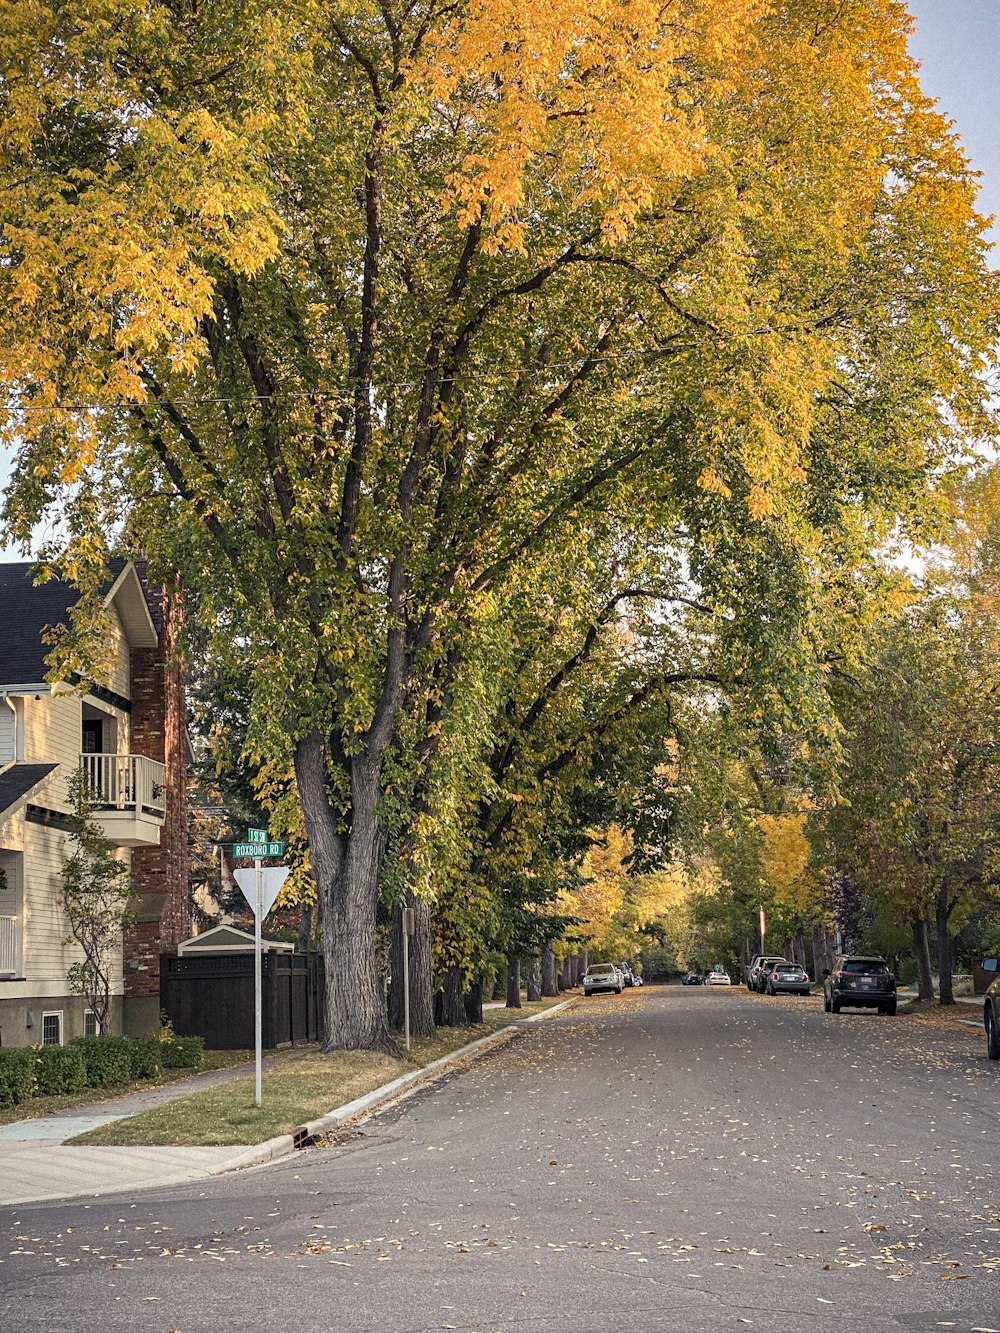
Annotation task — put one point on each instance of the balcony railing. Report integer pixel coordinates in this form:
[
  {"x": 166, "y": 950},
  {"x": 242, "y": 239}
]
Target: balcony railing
[
  {"x": 10, "y": 946},
  {"x": 126, "y": 782}
]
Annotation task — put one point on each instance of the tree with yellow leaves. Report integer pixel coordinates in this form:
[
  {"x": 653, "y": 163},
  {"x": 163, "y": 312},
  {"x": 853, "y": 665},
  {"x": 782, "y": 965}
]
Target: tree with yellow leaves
[{"x": 359, "y": 314}]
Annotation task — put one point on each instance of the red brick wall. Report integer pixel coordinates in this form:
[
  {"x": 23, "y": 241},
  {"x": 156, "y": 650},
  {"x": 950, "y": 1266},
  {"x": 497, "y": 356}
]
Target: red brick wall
[{"x": 160, "y": 874}]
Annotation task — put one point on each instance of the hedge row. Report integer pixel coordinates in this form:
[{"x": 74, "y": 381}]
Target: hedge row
[{"x": 90, "y": 1062}]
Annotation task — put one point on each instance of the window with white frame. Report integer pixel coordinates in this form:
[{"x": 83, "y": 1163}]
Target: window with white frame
[
  {"x": 52, "y": 1029},
  {"x": 11, "y": 920},
  {"x": 90, "y": 1028}
]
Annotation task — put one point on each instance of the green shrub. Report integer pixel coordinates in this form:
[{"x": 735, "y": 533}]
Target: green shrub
[
  {"x": 17, "y": 1074},
  {"x": 108, "y": 1060},
  {"x": 182, "y": 1052},
  {"x": 147, "y": 1057},
  {"x": 59, "y": 1069}
]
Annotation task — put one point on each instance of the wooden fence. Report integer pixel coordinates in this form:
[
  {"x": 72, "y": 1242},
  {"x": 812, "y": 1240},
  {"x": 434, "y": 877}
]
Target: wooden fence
[{"x": 213, "y": 997}]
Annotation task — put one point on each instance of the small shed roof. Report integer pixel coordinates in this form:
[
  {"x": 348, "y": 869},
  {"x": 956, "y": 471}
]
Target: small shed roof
[{"x": 229, "y": 939}]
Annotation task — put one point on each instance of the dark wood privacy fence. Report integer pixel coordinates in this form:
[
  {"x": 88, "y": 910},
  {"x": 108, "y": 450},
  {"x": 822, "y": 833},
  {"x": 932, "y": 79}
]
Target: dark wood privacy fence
[{"x": 212, "y": 997}]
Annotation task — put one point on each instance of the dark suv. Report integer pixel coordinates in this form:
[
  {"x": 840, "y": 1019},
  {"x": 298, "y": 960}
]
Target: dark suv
[
  {"x": 862, "y": 982},
  {"x": 991, "y": 1013}
]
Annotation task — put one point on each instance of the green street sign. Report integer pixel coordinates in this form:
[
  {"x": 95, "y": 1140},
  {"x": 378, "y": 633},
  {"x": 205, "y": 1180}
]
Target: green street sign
[
  {"x": 257, "y": 849},
  {"x": 256, "y": 835}
]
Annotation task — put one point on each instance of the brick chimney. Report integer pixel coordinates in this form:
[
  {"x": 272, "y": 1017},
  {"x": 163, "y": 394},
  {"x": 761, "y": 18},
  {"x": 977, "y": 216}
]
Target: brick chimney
[{"x": 159, "y": 874}]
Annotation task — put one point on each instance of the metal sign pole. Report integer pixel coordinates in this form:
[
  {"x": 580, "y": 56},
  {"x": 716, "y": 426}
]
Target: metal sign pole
[
  {"x": 257, "y": 987},
  {"x": 406, "y": 987}
]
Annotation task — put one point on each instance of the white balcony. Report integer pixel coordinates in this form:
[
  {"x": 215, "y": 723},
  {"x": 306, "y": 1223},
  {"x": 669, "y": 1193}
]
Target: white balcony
[
  {"x": 10, "y": 946},
  {"x": 129, "y": 793}
]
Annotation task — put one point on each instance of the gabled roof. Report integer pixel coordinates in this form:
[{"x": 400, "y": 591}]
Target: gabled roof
[
  {"x": 18, "y": 782},
  {"x": 229, "y": 939},
  {"x": 26, "y": 611}
]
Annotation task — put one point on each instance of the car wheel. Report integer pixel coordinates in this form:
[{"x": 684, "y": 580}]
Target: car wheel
[
  {"x": 890, "y": 1009},
  {"x": 618, "y": 990},
  {"x": 834, "y": 1006},
  {"x": 770, "y": 989},
  {"x": 992, "y": 1036}
]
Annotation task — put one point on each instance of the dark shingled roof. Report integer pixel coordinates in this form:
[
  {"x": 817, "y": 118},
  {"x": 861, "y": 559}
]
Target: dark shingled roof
[
  {"x": 19, "y": 780},
  {"x": 25, "y": 611}
]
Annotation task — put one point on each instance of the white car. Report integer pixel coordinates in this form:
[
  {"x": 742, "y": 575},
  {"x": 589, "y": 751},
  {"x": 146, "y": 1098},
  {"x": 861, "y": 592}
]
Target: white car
[
  {"x": 602, "y": 976},
  {"x": 718, "y": 979}
]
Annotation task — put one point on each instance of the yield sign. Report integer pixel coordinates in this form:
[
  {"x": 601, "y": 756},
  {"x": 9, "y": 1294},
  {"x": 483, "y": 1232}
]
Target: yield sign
[{"x": 271, "y": 880}]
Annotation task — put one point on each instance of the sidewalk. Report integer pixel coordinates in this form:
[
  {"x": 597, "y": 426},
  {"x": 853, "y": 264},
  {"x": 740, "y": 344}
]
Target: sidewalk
[
  {"x": 37, "y": 1164},
  {"x": 969, "y": 1002}
]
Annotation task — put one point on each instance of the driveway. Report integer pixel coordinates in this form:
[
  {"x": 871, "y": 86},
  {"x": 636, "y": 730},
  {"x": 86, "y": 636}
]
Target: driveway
[{"x": 683, "y": 1159}]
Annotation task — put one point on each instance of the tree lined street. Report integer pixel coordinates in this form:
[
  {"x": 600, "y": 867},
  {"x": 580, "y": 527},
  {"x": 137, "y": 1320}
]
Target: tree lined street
[{"x": 660, "y": 1159}]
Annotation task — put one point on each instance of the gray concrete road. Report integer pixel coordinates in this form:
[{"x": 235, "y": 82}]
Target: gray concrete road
[{"x": 673, "y": 1159}]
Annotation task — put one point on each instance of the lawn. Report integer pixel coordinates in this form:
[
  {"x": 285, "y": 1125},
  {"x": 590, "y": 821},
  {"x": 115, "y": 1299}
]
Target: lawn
[{"x": 293, "y": 1091}]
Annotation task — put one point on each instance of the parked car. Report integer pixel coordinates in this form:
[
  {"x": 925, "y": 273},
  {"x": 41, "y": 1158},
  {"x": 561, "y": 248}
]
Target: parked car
[
  {"x": 756, "y": 963},
  {"x": 627, "y": 975},
  {"x": 991, "y": 1019},
  {"x": 602, "y": 976},
  {"x": 860, "y": 982},
  {"x": 785, "y": 979},
  {"x": 637, "y": 980},
  {"x": 718, "y": 978},
  {"x": 692, "y": 979}
]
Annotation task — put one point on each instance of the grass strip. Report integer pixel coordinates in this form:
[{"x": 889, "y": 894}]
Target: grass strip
[{"x": 292, "y": 1093}]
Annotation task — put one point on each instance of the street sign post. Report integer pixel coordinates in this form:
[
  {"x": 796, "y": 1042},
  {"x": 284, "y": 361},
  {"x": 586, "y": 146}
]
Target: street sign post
[
  {"x": 260, "y": 887},
  {"x": 243, "y": 849}
]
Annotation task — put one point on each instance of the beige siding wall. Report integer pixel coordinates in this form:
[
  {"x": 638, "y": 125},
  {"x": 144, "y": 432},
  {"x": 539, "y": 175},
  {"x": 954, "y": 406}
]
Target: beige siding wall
[
  {"x": 46, "y": 954},
  {"x": 119, "y": 680},
  {"x": 52, "y": 734}
]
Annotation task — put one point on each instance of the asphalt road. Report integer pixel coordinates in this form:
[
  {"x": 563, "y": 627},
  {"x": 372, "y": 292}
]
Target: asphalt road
[{"x": 673, "y": 1159}]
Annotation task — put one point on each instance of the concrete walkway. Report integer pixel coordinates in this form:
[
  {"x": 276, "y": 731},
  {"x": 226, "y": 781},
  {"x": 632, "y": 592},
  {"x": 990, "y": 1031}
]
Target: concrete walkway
[{"x": 37, "y": 1164}]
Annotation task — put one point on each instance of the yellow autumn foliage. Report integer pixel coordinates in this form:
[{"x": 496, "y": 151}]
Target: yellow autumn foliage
[{"x": 785, "y": 859}]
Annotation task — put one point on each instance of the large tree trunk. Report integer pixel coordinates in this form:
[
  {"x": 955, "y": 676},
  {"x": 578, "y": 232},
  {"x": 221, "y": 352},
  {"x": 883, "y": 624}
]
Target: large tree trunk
[
  {"x": 474, "y": 1001},
  {"x": 799, "y": 953},
  {"x": 922, "y": 950},
  {"x": 421, "y": 972},
  {"x": 346, "y": 867},
  {"x": 550, "y": 979},
  {"x": 513, "y": 982},
  {"x": 824, "y": 951},
  {"x": 304, "y": 933},
  {"x": 946, "y": 991},
  {"x": 453, "y": 1013},
  {"x": 565, "y": 973},
  {"x": 533, "y": 979},
  {"x": 818, "y": 950}
]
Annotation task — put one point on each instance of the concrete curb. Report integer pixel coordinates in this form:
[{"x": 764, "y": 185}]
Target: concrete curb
[{"x": 396, "y": 1090}]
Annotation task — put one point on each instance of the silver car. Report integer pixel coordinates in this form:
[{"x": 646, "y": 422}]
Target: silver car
[{"x": 602, "y": 976}]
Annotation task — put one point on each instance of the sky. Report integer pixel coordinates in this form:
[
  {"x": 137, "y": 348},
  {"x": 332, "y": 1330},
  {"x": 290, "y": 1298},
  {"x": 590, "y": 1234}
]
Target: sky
[{"x": 958, "y": 45}]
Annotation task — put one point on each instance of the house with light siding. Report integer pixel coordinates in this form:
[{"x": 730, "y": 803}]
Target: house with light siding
[{"x": 128, "y": 734}]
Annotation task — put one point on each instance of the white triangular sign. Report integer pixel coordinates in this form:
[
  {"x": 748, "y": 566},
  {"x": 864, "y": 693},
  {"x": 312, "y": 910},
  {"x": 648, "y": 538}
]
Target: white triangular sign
[{"x": 271, "y": 880}]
